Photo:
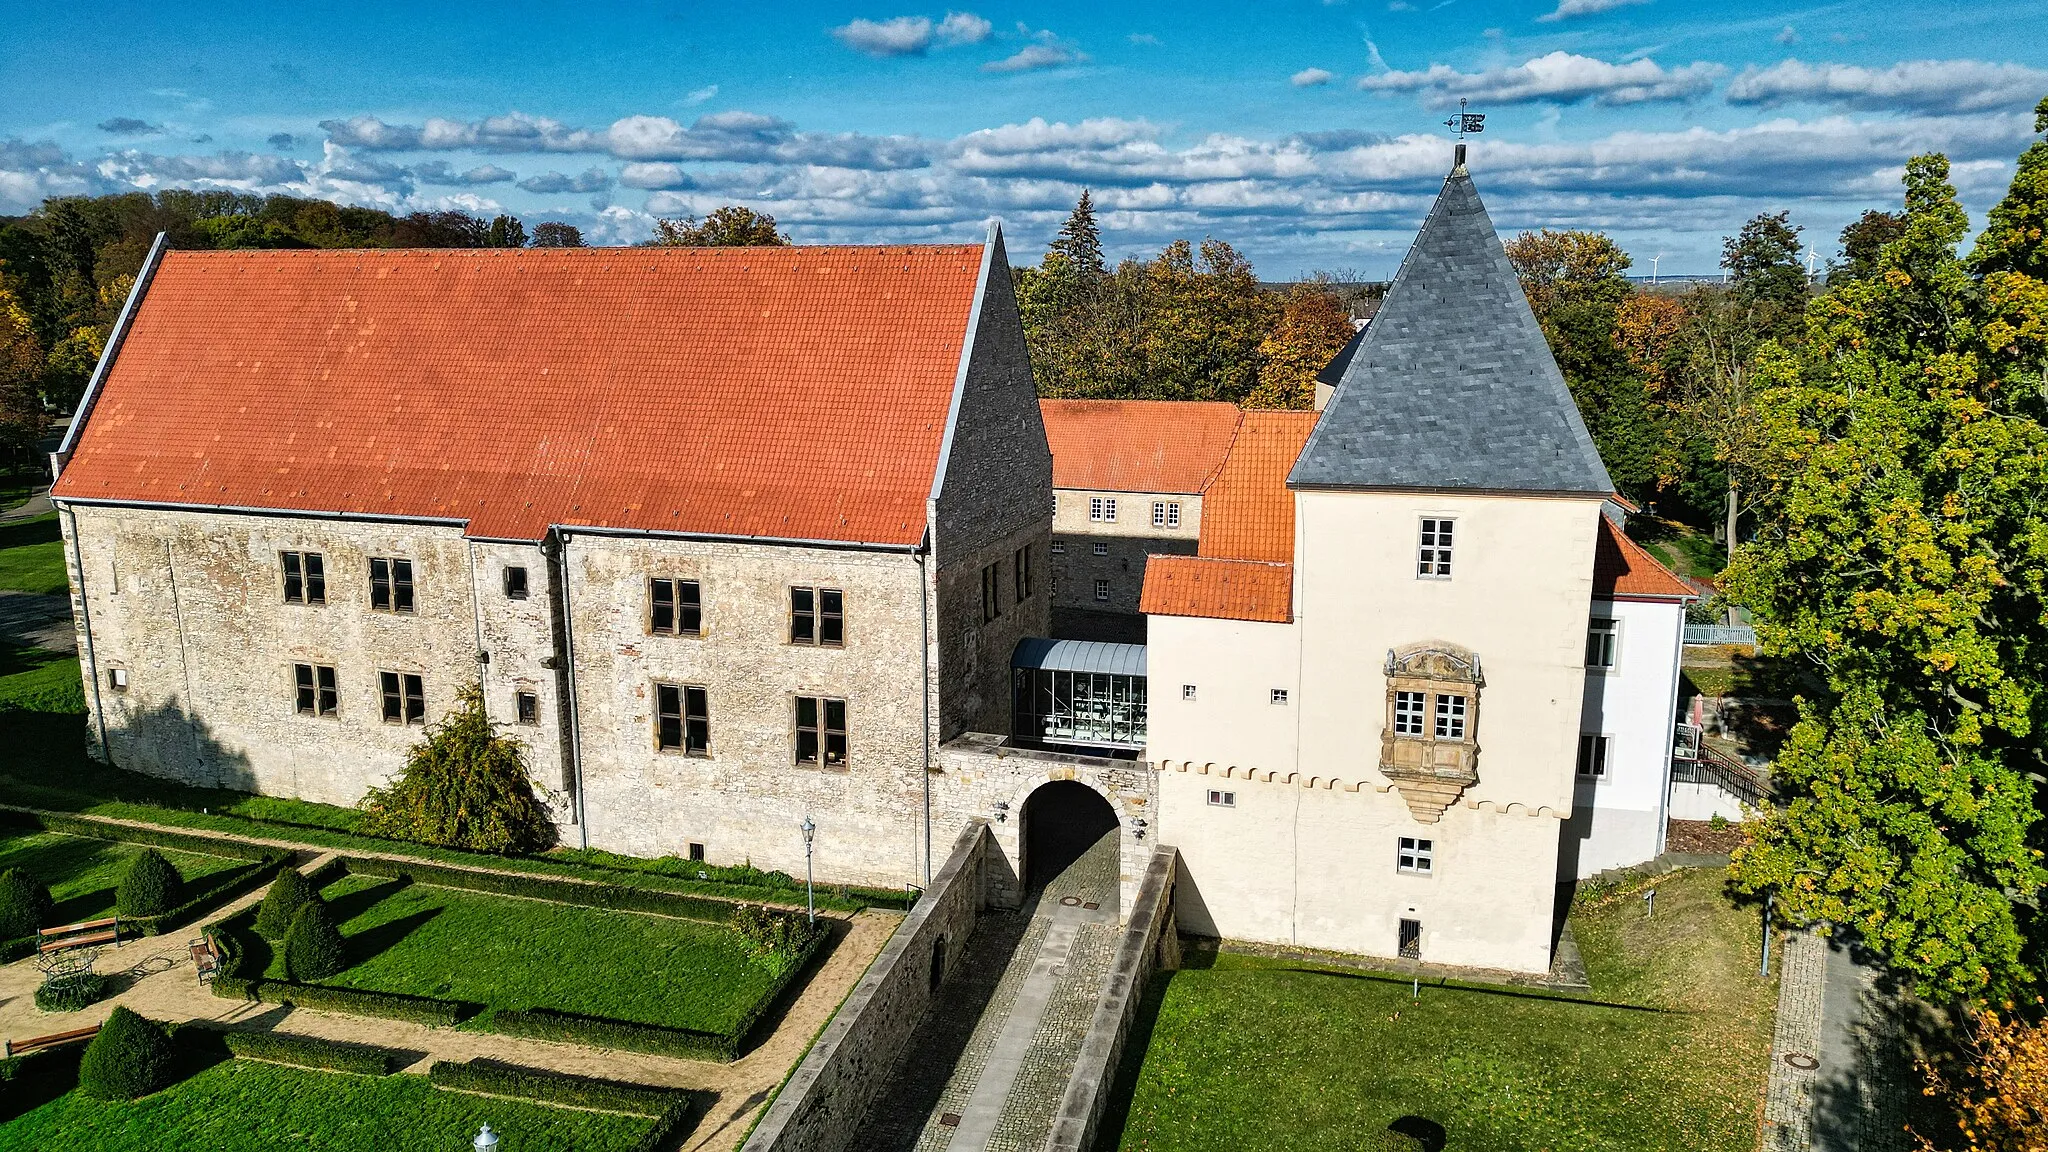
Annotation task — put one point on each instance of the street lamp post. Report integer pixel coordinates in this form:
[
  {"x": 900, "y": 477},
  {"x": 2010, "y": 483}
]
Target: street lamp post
[
  {"x": 486, "y": 1140},
  {"x": 810, "y": 898}
]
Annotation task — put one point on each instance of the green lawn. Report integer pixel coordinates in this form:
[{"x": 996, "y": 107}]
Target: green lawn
[
  {"x": 1683, "y": 549},
  {"x": 32, "y": 556},
  {"x": 34, "y": 680},
  {"x": 1669, "y": 1051},
  {"x": 82, "y": 872},
  {"x": 244, "y": 1106},
  {"x": 508, "y": 952}
]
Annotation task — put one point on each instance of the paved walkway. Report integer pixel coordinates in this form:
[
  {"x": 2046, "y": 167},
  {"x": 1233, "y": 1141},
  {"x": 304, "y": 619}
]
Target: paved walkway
[
  {"x": 1795, "y": 1046},
  {"x": 1841, "y": 1062},
  {"x": 37, "y": 621},
  {"x": 161, "y": 984},
  {"x": 987, "y": 1075},
  {"x": 34, "y": 506}
]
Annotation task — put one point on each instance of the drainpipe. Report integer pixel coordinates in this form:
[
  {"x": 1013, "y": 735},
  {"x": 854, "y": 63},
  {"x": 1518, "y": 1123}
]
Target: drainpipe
[
  {"x": 476, "y": 614},
  {"x": 569, "y": 658},
  {"x": 91, "y": 663},
  {"x": 1670, "y": 734},
  {"x": 924, "y": 617}
]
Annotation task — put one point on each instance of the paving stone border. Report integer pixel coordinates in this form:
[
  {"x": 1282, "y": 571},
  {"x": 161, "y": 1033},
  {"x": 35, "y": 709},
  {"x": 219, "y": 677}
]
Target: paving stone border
[{"x": 1795, "y": 1044}]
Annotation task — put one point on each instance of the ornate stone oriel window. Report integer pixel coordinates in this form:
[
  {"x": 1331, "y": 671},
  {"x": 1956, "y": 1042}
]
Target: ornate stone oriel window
[{"x": 1430, "y": 746}]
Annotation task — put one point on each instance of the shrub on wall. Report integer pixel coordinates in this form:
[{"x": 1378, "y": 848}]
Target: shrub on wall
[
  {"x": 151, "y": 887},
  {"x": 131, "y": 1057},
  {"x": 288, "y": 893},
  {"x": 465, "y": 786},
  {"x": 313, "y": 948},
  {"x": 24, "y": 904},
  {"x": 779, "y": 940}
]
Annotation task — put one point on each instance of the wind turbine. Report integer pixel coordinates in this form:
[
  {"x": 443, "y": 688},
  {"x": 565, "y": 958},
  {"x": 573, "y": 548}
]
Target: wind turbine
[
  {"x": 1653, "y": 268},
  {"x": 1812, "y": 262}
]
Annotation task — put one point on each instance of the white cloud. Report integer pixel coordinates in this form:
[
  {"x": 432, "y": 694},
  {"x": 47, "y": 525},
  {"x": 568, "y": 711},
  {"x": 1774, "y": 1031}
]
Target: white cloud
[
  {"x": 700, "y": 95},
  {"x": 1560, "y": 77},
  {"x": 911, "y": 35},
  {"x": 441, "y": 172},
  {"x": 1145, "y": 38},
  {"x": 1938, "y": 87},
  {"x": 1566, "y": 9},
  {"x": 551, "y": 183},
  {"x": 32, "y": 172},
  {"x": 1312, "y": 77},
  {"x": 961, "y": 28},
  {"x": 1047, "y": 52},
  {"x": 514, "y": 132}
]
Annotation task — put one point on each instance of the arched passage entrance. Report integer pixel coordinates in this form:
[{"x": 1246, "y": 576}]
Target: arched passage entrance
[{"x": 1062, "y": 820}]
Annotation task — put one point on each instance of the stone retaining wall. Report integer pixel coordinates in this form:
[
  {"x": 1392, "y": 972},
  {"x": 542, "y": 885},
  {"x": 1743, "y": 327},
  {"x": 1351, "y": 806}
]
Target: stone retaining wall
[
  {"x": 1150, "y": 942},
  {"x": 821, "y": 1106}
]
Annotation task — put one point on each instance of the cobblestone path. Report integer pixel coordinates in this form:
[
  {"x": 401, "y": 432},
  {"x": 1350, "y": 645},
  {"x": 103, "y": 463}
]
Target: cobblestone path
[
  {"x": 985, "y": 1073},
  {"x": 1788, "y": 1094}
]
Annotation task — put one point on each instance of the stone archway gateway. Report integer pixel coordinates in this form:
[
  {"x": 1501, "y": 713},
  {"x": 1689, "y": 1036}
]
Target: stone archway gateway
[{"x": 1062, "y": 819}]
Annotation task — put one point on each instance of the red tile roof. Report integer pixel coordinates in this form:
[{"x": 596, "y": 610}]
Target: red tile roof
[
  {"x": 1218, "y": 589},
  {"x": 1137, "y": 445},
  {"x": 1247, "y": 510},
  {"x": 1623, "y": 569},
  {"x": 795, "y": 393}
]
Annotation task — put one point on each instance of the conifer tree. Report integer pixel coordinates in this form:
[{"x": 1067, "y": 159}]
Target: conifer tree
[
  {"x": 2014, "y": 238},
  {"x": 1078, "y": 248},
  {"x": 464, "y": 786}
]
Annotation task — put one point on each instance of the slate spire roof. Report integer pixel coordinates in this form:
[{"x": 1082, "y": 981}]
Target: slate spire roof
[{"x": 1452, "y": 387}]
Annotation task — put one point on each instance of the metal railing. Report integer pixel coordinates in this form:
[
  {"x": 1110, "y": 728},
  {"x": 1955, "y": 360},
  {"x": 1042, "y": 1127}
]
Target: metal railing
[
  {"x": 1726, "y": 773},
  {"x": 1707, "y": 634}
]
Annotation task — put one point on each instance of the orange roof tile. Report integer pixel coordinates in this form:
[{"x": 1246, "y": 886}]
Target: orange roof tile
[
  {"x": 794, "y": 393},
  {"x": 1218, "y": 589},
  {"x": 1623, "y": 569},
  {"x": 1137, "y": 445},
  {"x": 1247, "y": 510}
]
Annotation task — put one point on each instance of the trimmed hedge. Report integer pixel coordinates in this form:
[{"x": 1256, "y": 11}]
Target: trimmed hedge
[
  {"x": 313, "y": 1052},
  {"x": 313, "y": 949},
  {"x": 235, "y": 982},
  {"x": 495, "y": 1079},
  {"x": 134, "y": 834},
  {"x": 214, "y": 891},
  {"x": 24, "y": 904},
  {"x": 151, "y": 888},
  {"x": 131, "y": 1057},
  {"x": 604, "y": 1032},
  {"x": 288, "y": 893},
  {"x": 615, "y": 897}
]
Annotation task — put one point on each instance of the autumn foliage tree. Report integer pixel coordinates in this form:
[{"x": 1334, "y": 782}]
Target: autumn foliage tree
[
  {"x": 733, "y": 226},
  {"x": 1314, "y": 326},
  {"x": 1997, "y": 1084},
  {"x": 21, "y": 400},
  {"x": 464, "y": 786}
]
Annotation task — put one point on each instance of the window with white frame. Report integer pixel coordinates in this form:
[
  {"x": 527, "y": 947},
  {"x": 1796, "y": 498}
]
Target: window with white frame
[
  {"x": 1593, "y": 755},
  {"x": 1059, "y": 547},
  {"x": 1417, "y": 856},
  {"x": 1408, "y": 712},
  {"x": 1221, "y": 799},
  {"x": 1102, "y": 509},
  {"x": 1278, "y": 696},
  {"x": 1450, "y": 716},
  {"x": 1102, "y": 590},
  {"x": 1187, "y": 691},
  {"x": 1173, "y": 514},
  {"x": 1165, "y": 514},
  {"x": 1603, "y": 640},
  {"x": 1433, "y": 556}
]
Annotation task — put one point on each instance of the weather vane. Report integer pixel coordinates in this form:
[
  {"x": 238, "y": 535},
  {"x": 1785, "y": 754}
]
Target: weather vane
[{"x": 1473, "y": 122}]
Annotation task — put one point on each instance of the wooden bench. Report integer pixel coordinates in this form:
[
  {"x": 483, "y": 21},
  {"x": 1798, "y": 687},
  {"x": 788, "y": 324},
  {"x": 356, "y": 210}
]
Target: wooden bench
[
  {"x": 9, "y": 1048},
  {"x": 89, "y": 934},
  {"x": 205, "y": 959}
]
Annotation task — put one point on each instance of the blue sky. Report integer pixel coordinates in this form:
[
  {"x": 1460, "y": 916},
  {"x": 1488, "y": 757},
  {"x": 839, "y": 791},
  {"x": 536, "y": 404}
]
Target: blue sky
[{"x": 1306, "y": 133}]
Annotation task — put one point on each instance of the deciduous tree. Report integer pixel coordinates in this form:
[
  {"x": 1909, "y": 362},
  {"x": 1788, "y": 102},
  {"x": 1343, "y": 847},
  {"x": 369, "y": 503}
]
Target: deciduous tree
[
  {"x": 464, "y": 786},
  {"x": 1862, "y": 242},
  {"x": 2014, "y": 238},
  {"x": 732, "y": 226},
  {"x": 556, "y": 234},
  {"x": 1997, "y": 1085},
  {"x": 21, "y": 394},
  {"x": 1314, "y": 326}
]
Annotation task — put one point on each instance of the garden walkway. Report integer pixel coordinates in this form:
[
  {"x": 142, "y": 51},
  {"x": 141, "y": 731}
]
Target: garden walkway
[
  {"x": 987, "y": 1072},
  {"x": 165, "y": 987}
]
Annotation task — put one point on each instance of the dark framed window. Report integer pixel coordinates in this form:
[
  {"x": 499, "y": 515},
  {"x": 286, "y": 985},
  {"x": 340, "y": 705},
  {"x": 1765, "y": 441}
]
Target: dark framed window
[
  {"x": 305, "y": 577},
  {"x": 675, "y": 607},
  {"x": 390, "y": 585},
  {"x": 515, "y": 582},
  {"x": 1450, "y": 717},
  {"x": 817, "y": 616},
  {"x": 820, "y": 732},
  {"x": 682, "y": 719},
  {"x": 991, "y": 592},
  {"x": 1433, "y": 554},
  {"x": 404, "y": 697},
  {"x": 1021, "y": 563},
  {"x": 1603, "y": 643},
  {"x": 1593, "y": 755},
  {"x": 527, "y": 705},
  {"x": 315, "y": 691}
]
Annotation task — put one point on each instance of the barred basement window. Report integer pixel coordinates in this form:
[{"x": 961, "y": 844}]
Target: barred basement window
[
  {"x": 1433, "y": 556},
  {"x": 1021, "y": 565},
  {"x": 404, "y": 696},
  {"x": 1593, "y": 755},
  {"x": 817, "y": 616},
  {"x": 1222, "y": 799},
  {"x": 515, "y": 582},
  {"x": 305, "y": 577},
  {"x": 390, "y": 585},
  {"x": 820, "y": 732},
  {"x": 675, "y": 607},
  {"x": 315, "y": 690},
  {"x": 528, "y": 707},
  {"x": 682, "y": 719},
  {"x": 1416, "y": 856}
]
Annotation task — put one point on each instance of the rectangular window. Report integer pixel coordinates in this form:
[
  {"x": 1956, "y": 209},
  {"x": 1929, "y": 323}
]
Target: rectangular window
[
  {"x": 1222, "y": 799},
  {"x": 1433, "y": 557},
  {"x": 1021, "y": 566},
  {"x": 117, "y": 679},
  {"x": 1408, "y": 713},
  {"x": 305, "y": 578},
  {"x": 696, "y": 850},
  {"x": 1159, "y": 513},
  {"x": 390, "y": 585},
  {"x": 1173, "y": 514},
  {"x": 991, "y": 592},
  {"x": 315, "y": 689},
  {"x": 515, "y": 582},
  {"x": 528, "y": 706},
  {"x": 820, "y": 730},
  {"x": 1102, "y": 509},
  {"x": 1187, "y": 691},
  {"x": 1593, "y": 755},
  {"x": 1102, "y": 590},
  {"x": 1450, "y": 717},
  {"x": 1059, "y": 547},
  {"x": 1416, "y": 856},
  {"x": 1409, "y": 940},
  {"x": 1602, "y": 638},
  {"x": 404, "y": 697},
  {"x": 817, "y": 616},
  {"x": 682, "y": 719},
  {"x": 1101, "y": 549},
  {"x": 1279, "y": 696},
  {"x": 675, "y": 607}
]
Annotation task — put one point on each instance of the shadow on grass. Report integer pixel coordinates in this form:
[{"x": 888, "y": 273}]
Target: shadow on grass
[
  {"x": 82, "y": 907},
  {"x": 373, "y": 942},
  {"x": 25, "y": 533},
  {"x": 764, "y": 1027},
  {"x": 350, "y": 905}
]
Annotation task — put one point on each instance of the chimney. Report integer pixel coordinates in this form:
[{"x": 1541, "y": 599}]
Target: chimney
[{"x": 1459, "y": 165}]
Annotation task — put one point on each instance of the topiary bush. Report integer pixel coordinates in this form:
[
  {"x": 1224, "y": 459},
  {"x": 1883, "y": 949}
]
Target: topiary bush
[
  {"x": 288, "y": 893},
  {"x": 152, "y": 886},
  {"x": 313, "y": 948},
  {"x": 71, "y": 993},
  {"x": 131, "y": 1057},
  {"x": 465, "y": 786},
  {"x": 24, "y": 904}
]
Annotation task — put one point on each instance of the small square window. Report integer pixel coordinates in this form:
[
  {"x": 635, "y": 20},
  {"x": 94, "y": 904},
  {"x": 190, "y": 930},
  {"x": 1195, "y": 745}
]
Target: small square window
[
  {"x": 1221, "y": 799},
  {"x": 528, "y": 706},
  {"x": 1102, "y": 590},
  {"x": 117, "y": 679},
  {"x": 696, "y": 851},
  {"x": 1593, "y": 755},
  {"x": 1059, "y": 547},
  {"x": 1450, "y": 717},
  {"x": 1187, "y": 691},
  {"x": 1279, "y": 696},
  {"x": 1433, "y": 555},
  {"x": 1602, "y": 643},
  {"x": 1416, "y": 856},
  {"x": 1101, "y": 549},
  {"x": 515, "y": 582}
]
